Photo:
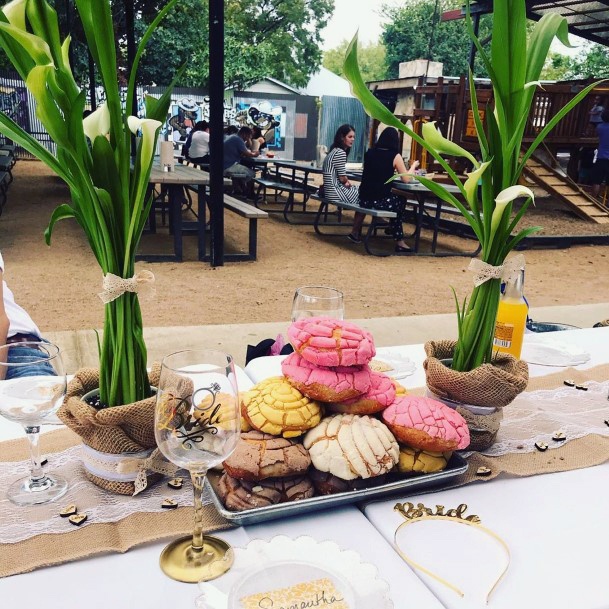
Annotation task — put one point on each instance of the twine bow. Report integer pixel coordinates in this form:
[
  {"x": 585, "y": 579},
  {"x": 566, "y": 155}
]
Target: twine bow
[
  {"x": 114, "y": 286},
  {"x": 507, "y": 271},
  {"x": 155, "y": 462}
]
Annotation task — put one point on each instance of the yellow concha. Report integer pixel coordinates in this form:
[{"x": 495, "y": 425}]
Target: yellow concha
[
  {"x": 422, "y": 461},
  {"x": 274, "y": 406}
]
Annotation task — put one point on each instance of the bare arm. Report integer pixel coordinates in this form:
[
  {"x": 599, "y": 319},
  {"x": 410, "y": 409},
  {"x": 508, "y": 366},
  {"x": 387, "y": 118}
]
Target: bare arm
[
  {"x": 400, "y": 167},
  {"x": 4, "y": 325}
]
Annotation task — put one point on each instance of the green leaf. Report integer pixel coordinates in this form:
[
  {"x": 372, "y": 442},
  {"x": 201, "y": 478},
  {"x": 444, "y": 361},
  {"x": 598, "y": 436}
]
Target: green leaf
[
  {"x": 43, "y": 20},
  {"x": 32, "y": 45},
  {"x": 14, "y": 132},
  {"x": 61, "y": 212}
]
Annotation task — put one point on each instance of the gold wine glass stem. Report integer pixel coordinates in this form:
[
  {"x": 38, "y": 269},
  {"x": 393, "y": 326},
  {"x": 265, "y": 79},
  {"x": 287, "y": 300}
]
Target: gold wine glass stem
[{"x": 198, "y": 479}]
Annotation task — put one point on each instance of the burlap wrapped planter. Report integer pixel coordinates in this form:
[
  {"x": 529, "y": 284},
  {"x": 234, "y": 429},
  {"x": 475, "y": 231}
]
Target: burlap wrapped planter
[
  {"x": 491, "y": 386},
  {"x": 121, "y": 430}
]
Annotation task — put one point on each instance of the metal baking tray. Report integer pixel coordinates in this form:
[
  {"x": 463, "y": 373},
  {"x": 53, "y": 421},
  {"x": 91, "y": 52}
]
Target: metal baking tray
[{"x": 456, "y": 466}]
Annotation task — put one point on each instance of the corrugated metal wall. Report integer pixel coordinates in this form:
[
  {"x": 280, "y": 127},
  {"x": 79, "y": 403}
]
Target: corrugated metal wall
[{"x": 336, "y": 111}]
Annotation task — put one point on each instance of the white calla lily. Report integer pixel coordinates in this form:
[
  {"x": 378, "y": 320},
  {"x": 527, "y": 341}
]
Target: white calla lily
[
  {"x": 15, "y": 13},
  {"x": 97, "y": 123},
  {"x": 471, "y": 185},
  {"x": 505, "y": 197},
  {"x": 149, "y": 128}
]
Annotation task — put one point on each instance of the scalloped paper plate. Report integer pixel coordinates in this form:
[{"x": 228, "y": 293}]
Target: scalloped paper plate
[
  {"x": 401, "y": 366},
  {"x": 263, "y": 566},
  {"x": 553, "y": 353}
]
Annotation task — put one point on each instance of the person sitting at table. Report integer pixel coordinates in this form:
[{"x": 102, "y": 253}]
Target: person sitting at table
[
  {"x": 381, "y": 163},
  {"x": 258, "y": 141},
  {"x": 16, "y": 326},
  {"x": 234, "y": 151},
  {"x": 337, "y": 188},
  {"x": 198, "y": 149}
]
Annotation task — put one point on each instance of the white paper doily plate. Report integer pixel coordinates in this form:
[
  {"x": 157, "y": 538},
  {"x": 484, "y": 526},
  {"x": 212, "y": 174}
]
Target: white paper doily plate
[
  {"x": 401, "y": 365},
  {"x": 553, "y": 353},
  {"x": 263, "y": 566}
]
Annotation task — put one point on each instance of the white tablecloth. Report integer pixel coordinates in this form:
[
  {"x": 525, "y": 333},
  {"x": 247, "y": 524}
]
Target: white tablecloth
[{"x": 555, "y": 525}]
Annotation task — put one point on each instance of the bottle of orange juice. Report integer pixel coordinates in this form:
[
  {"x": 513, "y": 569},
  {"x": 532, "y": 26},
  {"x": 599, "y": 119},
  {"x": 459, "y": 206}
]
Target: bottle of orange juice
[{"x": 511, "y": 318}]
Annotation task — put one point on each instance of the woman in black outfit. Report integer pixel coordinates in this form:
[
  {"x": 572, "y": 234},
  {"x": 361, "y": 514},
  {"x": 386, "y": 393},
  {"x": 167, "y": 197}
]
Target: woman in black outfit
[{"x": 381, "y": 163}]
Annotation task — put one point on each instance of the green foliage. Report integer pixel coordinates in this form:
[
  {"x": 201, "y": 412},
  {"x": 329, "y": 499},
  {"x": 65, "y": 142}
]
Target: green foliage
[
  {"x": 411, "y": 27},
  {"x": 371, "y": 60},
  {"x": 591, "y": 62},
  {"x": 277, "y": 38},
  {"x": 514, "y": 65},
  {"x": 108, "y": 196}
]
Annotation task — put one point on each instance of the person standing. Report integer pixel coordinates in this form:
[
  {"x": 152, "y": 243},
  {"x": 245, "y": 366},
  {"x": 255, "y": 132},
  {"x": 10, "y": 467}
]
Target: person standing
[
  {"x": 600, "y": 171},
  {"x": 595, "y": 115},
  {"x": 16, "y": 327},
  {"x": 381, "y": 163}
]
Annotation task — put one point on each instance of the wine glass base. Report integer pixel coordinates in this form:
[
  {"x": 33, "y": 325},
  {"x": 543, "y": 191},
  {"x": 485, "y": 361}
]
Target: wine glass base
[
  {"x": 180, "y": 562},
  {"x": 34, "y": 492}
]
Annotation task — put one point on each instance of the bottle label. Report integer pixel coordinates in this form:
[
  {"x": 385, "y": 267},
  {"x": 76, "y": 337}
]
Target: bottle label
[{"x": 503, "y": 335}]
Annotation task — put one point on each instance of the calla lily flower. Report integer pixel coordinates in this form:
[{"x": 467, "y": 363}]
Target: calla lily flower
[
  {"x": 97, "y": 123},
  {"x": 15, "y": 13},
  {"x": 505, "y": 197},
  {"x": 471, "y": 185},
  {"x": 33, "y": 45},
  {"x": 149, "y": 128},
  {"x": 441, "y": 145}
]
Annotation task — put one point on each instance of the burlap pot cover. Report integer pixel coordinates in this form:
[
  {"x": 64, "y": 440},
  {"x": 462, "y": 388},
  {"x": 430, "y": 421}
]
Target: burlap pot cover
[
  {"x": 491, "y": 385},
  {"x": 117, "y": 430}
]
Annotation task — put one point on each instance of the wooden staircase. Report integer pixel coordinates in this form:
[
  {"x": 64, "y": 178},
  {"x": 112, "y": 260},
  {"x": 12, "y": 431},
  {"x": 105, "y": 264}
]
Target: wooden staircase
[{"x": 566, "y": 190}]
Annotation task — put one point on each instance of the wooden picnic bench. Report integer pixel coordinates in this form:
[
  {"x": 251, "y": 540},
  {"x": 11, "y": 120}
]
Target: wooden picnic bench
[
  {"x": 378, "y": 219},
  {"x": 253, "y": 214}
]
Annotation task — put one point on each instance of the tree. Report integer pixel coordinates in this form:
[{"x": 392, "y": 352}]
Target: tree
[
  {"x": 415, "y": 31},
  {"x": 278, "y": 38},
  {"x": 371, "y": 60}
]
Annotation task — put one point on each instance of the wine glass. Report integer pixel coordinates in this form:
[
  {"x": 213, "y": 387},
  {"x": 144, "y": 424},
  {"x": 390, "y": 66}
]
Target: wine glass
[
  {"x": 197, "y": 426},
  {"x": 32, "y": 388},
  {"x": 318, "y": 300}
]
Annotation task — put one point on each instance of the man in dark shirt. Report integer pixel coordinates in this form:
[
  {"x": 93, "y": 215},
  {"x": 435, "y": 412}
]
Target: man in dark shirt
[{"x": 234, "y": 151}]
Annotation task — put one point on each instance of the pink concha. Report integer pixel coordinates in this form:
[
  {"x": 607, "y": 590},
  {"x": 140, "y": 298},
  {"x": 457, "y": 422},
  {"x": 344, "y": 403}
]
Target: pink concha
[
  {"x": 380, "y": 395},
  {"x": 327, "y": 384},
  {"x": 331, "y": 342},
  {"x": 430, "y": 416}
]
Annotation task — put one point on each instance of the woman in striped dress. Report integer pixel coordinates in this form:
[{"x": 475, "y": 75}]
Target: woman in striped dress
[{"x": 337, "y": 187}]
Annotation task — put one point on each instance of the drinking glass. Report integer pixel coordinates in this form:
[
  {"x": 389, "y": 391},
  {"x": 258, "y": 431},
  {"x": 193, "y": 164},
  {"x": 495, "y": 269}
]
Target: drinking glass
[
  {"x": 197, "y": 426},
  {"x": 32, "y": 388},
  {"x": 317, "y": 300}
]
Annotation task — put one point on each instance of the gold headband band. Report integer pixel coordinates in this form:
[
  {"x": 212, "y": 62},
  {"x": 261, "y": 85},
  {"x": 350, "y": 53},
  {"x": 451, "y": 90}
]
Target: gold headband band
[{"x": 421, "y": 513}]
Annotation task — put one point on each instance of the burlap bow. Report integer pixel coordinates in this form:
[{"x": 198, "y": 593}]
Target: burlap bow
[
  {"x": 155, "y": 462},
  {"x": 141, "y": 283},
  {"x": 506, "y": 272}
]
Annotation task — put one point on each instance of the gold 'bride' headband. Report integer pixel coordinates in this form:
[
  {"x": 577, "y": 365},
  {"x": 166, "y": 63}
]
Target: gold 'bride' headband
[{"x": 420, "y": 513}]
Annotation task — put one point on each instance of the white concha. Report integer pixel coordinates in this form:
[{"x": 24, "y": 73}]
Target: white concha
[{"x": 351, "y": 446}]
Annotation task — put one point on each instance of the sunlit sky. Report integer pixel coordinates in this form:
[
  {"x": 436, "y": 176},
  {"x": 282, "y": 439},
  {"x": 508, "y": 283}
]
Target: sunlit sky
[{"x": 349, "y": 15}]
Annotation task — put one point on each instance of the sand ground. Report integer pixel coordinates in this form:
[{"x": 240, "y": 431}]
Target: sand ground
[{"x": 58, "y": 284}]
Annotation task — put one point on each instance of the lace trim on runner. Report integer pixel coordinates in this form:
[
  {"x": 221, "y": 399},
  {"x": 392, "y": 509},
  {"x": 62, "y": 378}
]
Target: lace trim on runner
[
  {"x": 17, "y": 523},
  {"x": 536, "y": 415}
]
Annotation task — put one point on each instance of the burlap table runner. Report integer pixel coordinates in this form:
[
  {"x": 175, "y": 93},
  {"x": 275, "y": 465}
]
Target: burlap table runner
[
  {"x": 582, "y": 452},
  {"x": 51, "y": 549}
]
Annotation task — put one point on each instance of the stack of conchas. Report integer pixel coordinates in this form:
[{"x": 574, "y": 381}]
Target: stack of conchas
[{"x": 372, "y": 428}]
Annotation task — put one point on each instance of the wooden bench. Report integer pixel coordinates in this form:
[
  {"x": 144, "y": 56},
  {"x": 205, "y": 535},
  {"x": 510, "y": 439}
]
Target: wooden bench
[
  {"x": 253, "y": 214},
  {"x": 4, "y": 184},
  {"x": 378, "y": 219},
  {"x": 291, "y": 187}
]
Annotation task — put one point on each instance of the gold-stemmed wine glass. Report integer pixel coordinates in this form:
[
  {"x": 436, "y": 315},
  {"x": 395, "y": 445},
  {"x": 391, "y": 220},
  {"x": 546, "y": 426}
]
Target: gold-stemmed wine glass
[{"x": 197, "y": 426}]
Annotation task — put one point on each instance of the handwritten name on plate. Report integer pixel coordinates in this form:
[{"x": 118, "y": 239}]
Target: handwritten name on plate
[{"x": 316, "y": 594}]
